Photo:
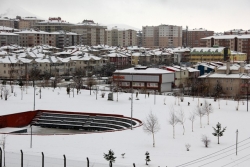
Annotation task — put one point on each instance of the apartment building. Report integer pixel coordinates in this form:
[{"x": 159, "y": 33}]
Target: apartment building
[
  {"x": 7, "y": 38},
  {"x": 92, "y": 33},
  {"x": 231, "y": 79},
  {"x": 27, "y": 22},
  {"x": 191, "y": 38},
  {"x": 240, "y": 43},
  {"x": 30, "y": 38},
  {"x": 120, "y": 37},
  {"x": 236, "y": 32},
  {"x": 6, "y": 22},
  {"x": 162, "y": 36},
  {"x": 65, "y": 39},
  {"x": 53, "y": 24}
]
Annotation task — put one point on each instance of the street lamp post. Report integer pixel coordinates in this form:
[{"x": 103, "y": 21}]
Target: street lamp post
[
  {"x": 30, "y": 135},
  {"x": 132, "y": 101},
  {"x": 34, "y": 85}
]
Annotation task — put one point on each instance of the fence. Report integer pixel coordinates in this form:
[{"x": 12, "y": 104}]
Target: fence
[{"x": 12, "y": 159}]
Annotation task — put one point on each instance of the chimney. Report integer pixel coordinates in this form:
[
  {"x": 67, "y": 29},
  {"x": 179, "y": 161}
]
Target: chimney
[{"x": 228, "y": 68}]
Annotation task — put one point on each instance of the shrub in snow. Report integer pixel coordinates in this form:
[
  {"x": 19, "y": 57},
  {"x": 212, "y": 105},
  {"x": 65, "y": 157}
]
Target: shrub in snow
[
  {"x": 206, "y": 141},
  {"x": 187, "y": 146},
  {"x": 110, "y": 157},
  {"x": 147, "y": 157}
]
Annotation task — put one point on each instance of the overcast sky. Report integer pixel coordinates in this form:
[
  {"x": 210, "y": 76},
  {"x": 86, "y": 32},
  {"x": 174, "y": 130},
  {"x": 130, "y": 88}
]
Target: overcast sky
[{"x": 217, "y": 15}]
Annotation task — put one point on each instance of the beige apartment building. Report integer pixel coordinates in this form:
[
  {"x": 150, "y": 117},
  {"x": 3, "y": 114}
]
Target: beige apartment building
[
  {"x": 28, "y": 22},
  {"x": 92, "y": 33},
  {"x": 230, "y": 79},
  {"x": 161, "y": 36},
  {"x": 53, "y": 24},
  {"x": 30, "y": 38},
  {"x": 6, "y": 22},
  {"x": 120, "y": 37}
]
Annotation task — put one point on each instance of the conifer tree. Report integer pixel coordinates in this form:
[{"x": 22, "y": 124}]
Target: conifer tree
[
  {"x": 147, "y": 157},
  {"x": 218, "y": 131},
  {"x": 110, "y": 157}
]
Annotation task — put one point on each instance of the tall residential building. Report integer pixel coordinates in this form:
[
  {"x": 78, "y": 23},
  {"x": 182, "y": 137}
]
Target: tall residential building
[
  {"x": 191, "y": 38},
  {"x": 65, "y": 39},
  {"x": 161, "y": 36},
  {"x": 92, "y": 33},
  {"x": 240, "y": 43},
  {"x": 27, "y": 22},
  {"x": 6, "y": 22},
  {"x": 53, "y": 24},
  {"x": 7, "y": 38},
  {"x": 120, "y": 37}
]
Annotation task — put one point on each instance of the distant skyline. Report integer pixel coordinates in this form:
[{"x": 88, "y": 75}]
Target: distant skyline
[{"x": 215, "y": 15}]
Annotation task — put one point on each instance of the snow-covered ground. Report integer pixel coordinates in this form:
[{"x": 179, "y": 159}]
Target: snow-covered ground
[{"x": 134, "y": 143}]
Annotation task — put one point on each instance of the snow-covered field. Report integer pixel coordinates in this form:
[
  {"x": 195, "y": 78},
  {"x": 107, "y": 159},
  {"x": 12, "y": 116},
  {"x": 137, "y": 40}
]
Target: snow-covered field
[{"x": 134, "y": 143}]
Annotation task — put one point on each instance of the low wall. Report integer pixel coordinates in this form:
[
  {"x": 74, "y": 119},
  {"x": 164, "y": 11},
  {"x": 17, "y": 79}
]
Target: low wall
[{"x": 17, "y": 120}]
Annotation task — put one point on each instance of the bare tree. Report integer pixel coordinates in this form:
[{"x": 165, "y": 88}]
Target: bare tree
[
  {"x": 6, "y": 93},
  {"x": 151, "y": 125},
  {"x": 173, "y": 119},
  {"x": 192, "y": 119},
  {"x": 207, "y": 108},
  {"x": 90, "y": 82},
  {"x": 200, "y": 113},
  {"x": 3, "y": 142},
  {"x": 78, "y": 83},
  {"x": 182, "y": 119},
  {"x": 205, "y": 140}
]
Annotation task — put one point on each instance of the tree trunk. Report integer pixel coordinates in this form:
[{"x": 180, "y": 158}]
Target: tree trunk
[
  {"x": 207, "y": 118},
  {"x": 218, "y": 139},
  {"x": 192, "y": 126},
  {"x": 173, "y": 132},
  {"x": 90, "y": 90},
  {"x": 200, "y": 122},
  {"x": 153, "y": 140},
  {"x": 183, "y": 129}
]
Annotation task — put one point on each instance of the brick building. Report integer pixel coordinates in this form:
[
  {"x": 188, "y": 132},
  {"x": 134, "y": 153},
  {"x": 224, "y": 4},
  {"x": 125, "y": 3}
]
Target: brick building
[{"x": 191, "y": 38}]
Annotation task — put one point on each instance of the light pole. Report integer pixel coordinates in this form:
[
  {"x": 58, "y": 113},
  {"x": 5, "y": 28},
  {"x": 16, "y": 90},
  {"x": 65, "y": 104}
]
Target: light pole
[
  {"x": 34, "y": 85},
  {"x": 30, "y": 135},
  {"x": 132, "y": 101}
]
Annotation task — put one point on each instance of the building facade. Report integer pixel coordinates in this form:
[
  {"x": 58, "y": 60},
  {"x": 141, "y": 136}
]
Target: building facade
[
  {"x": 92, "y": 33},
  {"x": 162, "y": 36},
  {"x": 119, "y": 37},
  {"x": 27, "y": 22},
  {"x": 7, "y": 22},
  {"x": 144, "y": 79},
  {"x": 191, "y": 38},
  {"x": 7, "y": 38},
  {"x": 53, "y": 24},
  {"x": 239, "y": 43}
]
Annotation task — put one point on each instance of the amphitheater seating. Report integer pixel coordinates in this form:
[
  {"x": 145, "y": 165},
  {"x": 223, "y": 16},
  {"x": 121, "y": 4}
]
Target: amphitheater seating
[{"x": 82, "y": 121}]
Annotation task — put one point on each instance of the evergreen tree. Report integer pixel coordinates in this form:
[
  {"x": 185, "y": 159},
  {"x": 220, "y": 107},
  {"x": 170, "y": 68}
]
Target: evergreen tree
[
  {"x": 218, "y": 132},
  {"x": 110, "y": 157},
  {"x": 147, "y": 157}
]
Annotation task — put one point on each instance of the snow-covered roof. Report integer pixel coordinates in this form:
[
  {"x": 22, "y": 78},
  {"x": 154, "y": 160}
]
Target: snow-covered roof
[
  {"x": 31, "y": 31},
  {"x": 207, "y": 49},
  {"x": 243, "y": 36},
  {"x": 3, "y": 28},
  {"x": 145, "y": 71},
  {"x": 7, "y": 33}
]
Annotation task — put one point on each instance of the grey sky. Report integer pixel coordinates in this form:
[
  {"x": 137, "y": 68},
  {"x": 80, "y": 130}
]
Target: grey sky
[{"x": 217, "y": 15}]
